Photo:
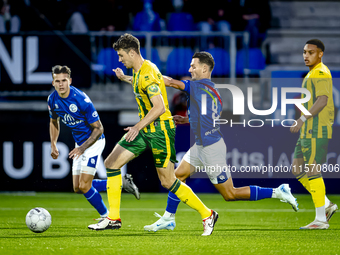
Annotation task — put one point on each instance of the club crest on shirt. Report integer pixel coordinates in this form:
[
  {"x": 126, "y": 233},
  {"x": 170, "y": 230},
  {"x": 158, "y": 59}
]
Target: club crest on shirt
[{"x": 73, "y": 108}]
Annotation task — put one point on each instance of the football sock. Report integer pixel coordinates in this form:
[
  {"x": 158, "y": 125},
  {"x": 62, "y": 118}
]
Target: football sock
[
  {"x": 99, "y": 185},
  {"x": 317, "y": 189},
  {"x": 96, "y": 201},
  {"x": 172, "y": 204},
  {"x": 320, "y": 213},
  {"x": 114, "y": 192},
  {"x": 187, "y": 196},
  {"x": 258, "y": 193},
  {"x": 303, "y": 179}
]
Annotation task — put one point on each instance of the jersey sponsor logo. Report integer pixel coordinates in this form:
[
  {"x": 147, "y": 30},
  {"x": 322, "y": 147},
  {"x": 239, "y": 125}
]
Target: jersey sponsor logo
[
  {"x": 73, "y": 108},
  {"x": 69, "y": 120},
  {"x": 95, "y": 114}
]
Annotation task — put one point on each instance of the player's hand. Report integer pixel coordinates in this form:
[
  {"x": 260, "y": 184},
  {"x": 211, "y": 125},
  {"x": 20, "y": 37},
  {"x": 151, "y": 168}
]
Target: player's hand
[
  {"x": 76, "y": 152},
  {"x": 119, "y": 73},
  {"x": 180, "y": 119},
  {"x": 54, "y": 152},
  {"x": 295, "y": 129},
  {"x": 131, "y": 134}
]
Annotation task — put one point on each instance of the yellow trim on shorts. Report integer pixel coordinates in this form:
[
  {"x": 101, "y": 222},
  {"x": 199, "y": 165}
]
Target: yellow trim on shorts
[
  {"x": 313, "y": 148},
  {"x": 167, "y": 142}
]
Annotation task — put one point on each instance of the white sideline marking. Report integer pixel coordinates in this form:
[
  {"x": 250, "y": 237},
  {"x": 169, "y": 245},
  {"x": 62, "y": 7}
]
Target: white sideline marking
[{"x": 162, "y": 209}]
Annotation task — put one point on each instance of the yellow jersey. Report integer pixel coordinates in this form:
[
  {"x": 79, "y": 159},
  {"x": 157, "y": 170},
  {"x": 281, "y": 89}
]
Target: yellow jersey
[
  {"x": 319, "y": 83},
  {"x": 147, "y": 83}
]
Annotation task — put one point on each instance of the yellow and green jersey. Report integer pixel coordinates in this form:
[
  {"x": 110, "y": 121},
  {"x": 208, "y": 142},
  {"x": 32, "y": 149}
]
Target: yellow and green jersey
[
  {"x": 147, "y": 83},
  {"x": 319, "y": 83}
]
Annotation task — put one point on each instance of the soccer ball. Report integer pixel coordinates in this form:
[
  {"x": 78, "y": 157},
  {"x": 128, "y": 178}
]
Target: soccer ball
[{"x": 38, "y": 220}]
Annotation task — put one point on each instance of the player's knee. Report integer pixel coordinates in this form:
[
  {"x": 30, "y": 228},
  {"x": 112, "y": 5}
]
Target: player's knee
[
  {"x": 181, "y": 177},
  {"x": 77, "y": 190},
  {"x": 229, "y": 195},
  {"x": 84, "y": 187},
  {"x": 166, "y": 184}
]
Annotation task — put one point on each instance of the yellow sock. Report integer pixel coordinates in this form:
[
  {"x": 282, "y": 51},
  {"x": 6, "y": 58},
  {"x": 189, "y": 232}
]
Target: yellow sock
[
  {"x": 317, "y": 189},
  {"x": 303, "y": 179},
  {"x": 187, "y": 196},
  {"x": 114, "y": 192}
]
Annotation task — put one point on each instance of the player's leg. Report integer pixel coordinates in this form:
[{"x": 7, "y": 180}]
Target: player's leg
[
  {"x": 88, "y": 164},
  {"x": 315, "y": 153},
  {"x": 128, "y": 185},
  {"x": 91, "y": 193},
  {"x": 187, "y": 196},
  {"x": 121, "y": 154},
  {"x": 167, "y": 221}
]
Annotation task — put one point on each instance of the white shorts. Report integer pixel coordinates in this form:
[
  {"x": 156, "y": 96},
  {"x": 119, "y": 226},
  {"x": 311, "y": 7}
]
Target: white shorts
[
  {"x": 211, "y": 159},
  {"x": 88, "y": 161}
]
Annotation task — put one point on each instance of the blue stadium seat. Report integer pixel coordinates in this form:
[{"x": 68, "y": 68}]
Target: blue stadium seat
[
  {"x": 222, "y": 61},
  {"x": 256, "y": 60},
  {"x": 178, "y": 62},
  {"x": 154, "y": 56},
  {"x": 181, "y": 21},
  {"x": 142, "y": 22},
  {"x": 108, "y": 60}
]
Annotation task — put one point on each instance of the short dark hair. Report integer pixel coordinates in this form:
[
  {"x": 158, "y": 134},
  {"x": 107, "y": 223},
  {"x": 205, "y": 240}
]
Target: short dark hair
[
  {"x": 318, "y": 44},
  {"x": 205, "y": 58},
  {"x": 127, "y": 42},
  {"x": 61, "y": 69}
]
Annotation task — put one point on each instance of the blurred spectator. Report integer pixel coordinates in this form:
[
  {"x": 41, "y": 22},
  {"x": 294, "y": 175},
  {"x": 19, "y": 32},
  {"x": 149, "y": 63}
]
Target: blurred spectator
[
  {"x": 147, "y": 19},
  {"x": 213, "y": 17},
  {"x": 9, "y": 21},
  {"x": 252, "y": 16}
]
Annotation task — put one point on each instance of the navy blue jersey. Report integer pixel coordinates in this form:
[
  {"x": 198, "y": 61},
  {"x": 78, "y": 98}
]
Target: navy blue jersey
[
  {"x": 203, "y": 92},
  {"x": 76, "y": 111}
]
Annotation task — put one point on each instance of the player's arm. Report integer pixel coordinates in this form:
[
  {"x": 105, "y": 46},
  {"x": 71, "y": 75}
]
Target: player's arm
[
  {"x": 180, "y": 119},
  {"x": 317, "y": 107},
  {"x": 170, "y": 82},
  {"x": 97, "y": 131},
  {"x": 157, "y": 110},
  {"x": 121, "y": 76},
  {"x": 54, "y": 134}
]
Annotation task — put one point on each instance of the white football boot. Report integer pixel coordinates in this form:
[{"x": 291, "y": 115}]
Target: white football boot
[
  {"x": 316, "y": 224},
  {"x": 283, "y": 193},
  {"x": 209, "y": 223},
  {"x": 163, "y": 223},
  {"x": 106, "y": 223},
  {"x": 330, "y": 210}
]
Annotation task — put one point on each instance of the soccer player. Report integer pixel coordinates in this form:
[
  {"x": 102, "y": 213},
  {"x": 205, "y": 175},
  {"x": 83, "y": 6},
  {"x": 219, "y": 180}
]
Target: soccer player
[
  {"x": 156, "y": 130},
  {"x": 76, "y": 111},
  {"x": 315, "y": 132},
  {"x": 209, "y": 150}
]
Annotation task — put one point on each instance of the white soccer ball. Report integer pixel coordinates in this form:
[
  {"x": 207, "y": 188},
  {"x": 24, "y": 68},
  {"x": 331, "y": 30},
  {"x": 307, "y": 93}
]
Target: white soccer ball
[{"x": 38, "y": 220}]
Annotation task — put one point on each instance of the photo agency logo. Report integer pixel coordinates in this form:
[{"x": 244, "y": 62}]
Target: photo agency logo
[{"x": 239, "y": 103}]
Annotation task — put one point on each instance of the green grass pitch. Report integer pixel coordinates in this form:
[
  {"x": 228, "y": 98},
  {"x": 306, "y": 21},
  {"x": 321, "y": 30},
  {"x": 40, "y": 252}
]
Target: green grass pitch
[{"x": 263, "y": 227}]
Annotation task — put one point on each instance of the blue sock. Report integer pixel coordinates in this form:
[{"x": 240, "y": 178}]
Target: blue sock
[
  {"x": 258, "y": 193},
  {"x": 96, "y": 200},
  {"x": 173, "y": 202},
  {"x": 99, "y": 185}
]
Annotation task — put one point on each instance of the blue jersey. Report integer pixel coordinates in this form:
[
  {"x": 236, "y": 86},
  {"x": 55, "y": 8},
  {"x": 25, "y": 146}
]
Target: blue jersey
[
  {"x": 204, "y": 105},
  {"x": 76, "y": 111}
]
